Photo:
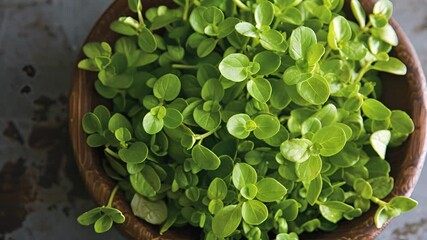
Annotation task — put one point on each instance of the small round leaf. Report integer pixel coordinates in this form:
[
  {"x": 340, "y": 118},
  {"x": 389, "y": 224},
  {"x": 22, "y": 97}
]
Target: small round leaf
[{"x": 266, "y": 126}]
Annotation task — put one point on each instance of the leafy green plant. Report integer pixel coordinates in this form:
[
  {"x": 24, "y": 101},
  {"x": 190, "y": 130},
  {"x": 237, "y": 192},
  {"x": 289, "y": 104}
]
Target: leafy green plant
[
  {"x": 247, "y": 118},
  {"x": 102, "y": 217}
]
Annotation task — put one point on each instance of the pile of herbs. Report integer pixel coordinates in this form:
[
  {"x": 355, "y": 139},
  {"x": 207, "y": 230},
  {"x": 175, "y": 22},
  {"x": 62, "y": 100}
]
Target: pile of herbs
[{"x": 247, "y": 118}]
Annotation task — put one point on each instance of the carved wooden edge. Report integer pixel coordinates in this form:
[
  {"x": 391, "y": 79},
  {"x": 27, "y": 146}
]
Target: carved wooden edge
[{"x": 100, "y": 185}]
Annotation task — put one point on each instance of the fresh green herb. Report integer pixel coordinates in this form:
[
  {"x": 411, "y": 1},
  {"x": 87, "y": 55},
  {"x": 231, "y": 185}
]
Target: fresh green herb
[
  {"x": 247, "y": 118},
  {"x": 102, "y": 217}
]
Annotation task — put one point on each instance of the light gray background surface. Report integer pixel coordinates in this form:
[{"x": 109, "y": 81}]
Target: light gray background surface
[{"x": 36, "y": 165}]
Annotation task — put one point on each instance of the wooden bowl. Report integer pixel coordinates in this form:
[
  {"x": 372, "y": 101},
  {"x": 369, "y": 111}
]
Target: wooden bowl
[{"x": 399, "y": 92}]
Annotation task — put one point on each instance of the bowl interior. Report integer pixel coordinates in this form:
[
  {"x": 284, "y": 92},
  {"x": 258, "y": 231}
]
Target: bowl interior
[{"x": 399, "y": 92}]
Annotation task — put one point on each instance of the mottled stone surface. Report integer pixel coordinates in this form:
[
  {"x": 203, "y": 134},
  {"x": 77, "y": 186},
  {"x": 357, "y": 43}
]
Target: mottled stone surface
[{"x": 41, "y": 192}]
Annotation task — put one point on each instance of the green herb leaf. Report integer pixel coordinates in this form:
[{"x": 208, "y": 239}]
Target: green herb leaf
[
  {"x": 123, "y": 134},
  {"x": 314, "y": 189},
  {"x": 287, "y": 236},
  {"x": 314, "y": 54},
  {"x": 103, "y": 224},
  {"x": 146, "y": 40},
  {"x": 147, "y": 182},
  {"x": 363, "y": 188},
  {"x": 254, "y": 212},
  {"x": 260, "y": 89},
  {"x": 215, "y": 206},
  {"x": 237, "y": 126},
  {"x": 217, "y": 189},
  {"x": 403, "y": 204},
  {"x": 379, "y": 141},
  {"x": 246, "y": 29},
  {"x": 315, "y": 90},
  {"x": 310, "y": 169},
  {"x": 401, "y": 122},
  {"x": 205, "y": 158},
  {"x": 152, "y": 124},
  {"x": 381, "y": 217},
  {"x": 358, "y": 12},
  {"x": 353, "y": 50},
  {"x": 268, "y": 61},
  {"x": 266, "y": 126},
  {"x": 289, "y": 208},
  {"x": 227, "y": 26},
  {"x": 234, "y": 67},
  {"x": 167, "y": 87},
  {"x": 273, "y": 40},
  {"x": 206, "y": 47},
  {"x": 173, "y": 118},
  {"x": 96, "y": 140},
  {"x": 212, "y": 90},
  {"x": 339, "y": 31},
  {"x": 226, "y": 221},
  {"x": 383, "y": 8},
  {"x": 135, "y": 5},
  {"x": 119, "y": 121},
  {"x": 393, "y": 65},
  {"x": 381, "y": 186},
  {"x": 126, "y": 26},
  {"x": 97, "y": 49},
  {"x": 333, "y": 211},
  {"x": 208, "y": 120},
  {"x": 296, "y": 150},
  {"x": 331, "y": 138},
  {"x": 90, "y": 217},
  {"x": 387, "y": 34},
  {"x": 136, "y": 153},
  {"x": 213, "y": 15},
  {"x": 197, "y": 21},
  {"x": 264, "y": 14},
  {"x": 91, "y": 123},
  {"x": 249, "y": 191},
  {"x": 270, "y": 190},
  {"x": 375, "y": 110},
  {"x": 301, "y": 40},
  {"x": 243, "y": 174},
  {"x": 154, "y": 212}
]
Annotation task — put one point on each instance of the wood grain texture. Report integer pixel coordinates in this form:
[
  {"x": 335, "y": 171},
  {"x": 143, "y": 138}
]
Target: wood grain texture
[{"x": 400, "y": 92}]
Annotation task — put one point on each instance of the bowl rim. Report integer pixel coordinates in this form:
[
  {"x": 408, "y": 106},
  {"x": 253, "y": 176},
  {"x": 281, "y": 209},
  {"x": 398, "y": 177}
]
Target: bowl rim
[{"x": 137, "y": 228}]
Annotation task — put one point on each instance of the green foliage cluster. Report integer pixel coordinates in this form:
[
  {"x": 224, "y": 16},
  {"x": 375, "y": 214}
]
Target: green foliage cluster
[{"x": 247, "y": 118}]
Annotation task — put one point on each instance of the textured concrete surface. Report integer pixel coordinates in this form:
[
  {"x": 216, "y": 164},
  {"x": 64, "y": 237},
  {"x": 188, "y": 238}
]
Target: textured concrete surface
[{"x": 41, "y": 193}]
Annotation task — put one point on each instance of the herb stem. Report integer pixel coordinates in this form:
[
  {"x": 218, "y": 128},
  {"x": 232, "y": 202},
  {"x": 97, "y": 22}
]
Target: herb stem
[
  {"x": 113, "y": 193},
  {"x": 276, "y": 23},
  {"x": 186, "y": 8},
  {"x": 241, "y": 5},
  {"x": 378, "y": 201},
  {"x": 363, "y": 30},
  {"x": 110, "y": 152},
  {"x": 327, "y": 53},
  {"x": 123, "y": 145},
  {"x": 362, "y": 71},
  {"x": 184, "y": 66},
  {"x": 255, "y": 42},
  {"x": 141, "y": 19},
  {"x": 205, "y": 135},
  {"x": 367, "y": 26},
  {"x": 284, "y": 119}
]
